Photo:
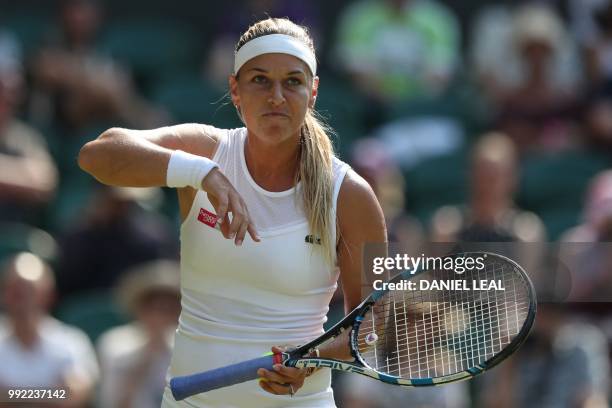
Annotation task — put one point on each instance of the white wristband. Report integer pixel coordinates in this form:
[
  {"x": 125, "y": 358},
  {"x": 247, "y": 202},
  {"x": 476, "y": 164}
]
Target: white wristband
[{"x": 186, "y": 169}]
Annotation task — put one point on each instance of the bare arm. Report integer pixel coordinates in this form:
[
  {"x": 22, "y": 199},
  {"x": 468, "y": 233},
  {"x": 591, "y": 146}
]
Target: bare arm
[
  {"x": 360, "y": 222},
  {"x": 139, "y": 158}
]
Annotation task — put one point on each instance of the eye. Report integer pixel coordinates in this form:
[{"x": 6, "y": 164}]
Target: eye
[
  {"x": 260, "y": 79},
  {"x": 294, "y": 81}
]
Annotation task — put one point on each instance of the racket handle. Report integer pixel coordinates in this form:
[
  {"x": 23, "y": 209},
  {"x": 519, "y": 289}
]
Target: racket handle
[{"x": 188, "y": 385}]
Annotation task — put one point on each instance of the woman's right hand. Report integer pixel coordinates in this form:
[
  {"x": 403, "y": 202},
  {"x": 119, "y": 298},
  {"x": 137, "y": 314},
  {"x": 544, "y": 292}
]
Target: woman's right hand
[{"x": 224, "y": 197}]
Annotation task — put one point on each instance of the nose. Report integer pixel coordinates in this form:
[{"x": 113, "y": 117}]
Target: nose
[{"x": 276, "y": 94}]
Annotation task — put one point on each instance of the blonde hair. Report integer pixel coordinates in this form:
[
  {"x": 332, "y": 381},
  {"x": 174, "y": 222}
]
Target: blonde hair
[{"x": 315, "y": 169}]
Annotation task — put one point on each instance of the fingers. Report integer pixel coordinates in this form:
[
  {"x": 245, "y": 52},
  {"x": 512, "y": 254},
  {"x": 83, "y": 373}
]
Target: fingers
[
  {"x": 226, "y": 199},
  {"x": 222, "y": 208},
  {"x": 277, "y": 389},
  {"x": 240, "y": 219},
  {"x": 295, "y": 375},
  {"x": 241, "y": 233},
  {"x": 277, "y": 381},
  {"x": 253, "y": 232},
  {"x": 283, "y": 375},
  {"x": 225, "y": 223},
  {"x": 279, "y": 349}
]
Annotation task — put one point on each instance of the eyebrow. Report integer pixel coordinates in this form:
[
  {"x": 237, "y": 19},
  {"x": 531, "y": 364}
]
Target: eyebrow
[{"x": 290, "y": 73}]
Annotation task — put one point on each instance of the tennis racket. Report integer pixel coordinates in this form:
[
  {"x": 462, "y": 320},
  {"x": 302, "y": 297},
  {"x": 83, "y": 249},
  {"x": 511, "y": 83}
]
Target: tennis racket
[{"x": 420, "y": 336}]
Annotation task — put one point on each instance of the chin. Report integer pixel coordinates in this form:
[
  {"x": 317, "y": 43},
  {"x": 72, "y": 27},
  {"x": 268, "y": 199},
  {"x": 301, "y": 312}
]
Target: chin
[{"x": 276, "y": 133}]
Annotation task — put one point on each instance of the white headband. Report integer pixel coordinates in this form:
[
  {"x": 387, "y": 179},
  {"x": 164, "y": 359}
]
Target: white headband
[{"x": 275, "y": 43}]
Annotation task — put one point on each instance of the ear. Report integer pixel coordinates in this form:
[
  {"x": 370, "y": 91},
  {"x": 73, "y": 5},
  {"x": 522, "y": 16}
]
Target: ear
[
  {"x": 233, "y": 88},
  {"x": 315, "y": 91}
]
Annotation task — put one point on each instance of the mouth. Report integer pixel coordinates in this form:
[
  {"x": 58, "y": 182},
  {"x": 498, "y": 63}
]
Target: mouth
[{"x": 275, "y": 115}]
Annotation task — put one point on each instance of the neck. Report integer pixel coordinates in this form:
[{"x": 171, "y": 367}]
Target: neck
[
  {"x": 25, "y": 328},
  {"x": 487, "y": 211},
  {"x": 537, "y": 76},
  {"x": 273, "y": 167}
]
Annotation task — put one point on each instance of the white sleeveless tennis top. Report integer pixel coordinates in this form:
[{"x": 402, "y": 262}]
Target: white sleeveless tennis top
[{"x": 237, "y": 302}]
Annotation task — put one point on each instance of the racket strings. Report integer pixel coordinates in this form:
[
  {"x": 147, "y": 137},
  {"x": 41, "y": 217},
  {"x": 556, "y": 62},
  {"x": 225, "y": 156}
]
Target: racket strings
[{"x": 433, "y": 333}]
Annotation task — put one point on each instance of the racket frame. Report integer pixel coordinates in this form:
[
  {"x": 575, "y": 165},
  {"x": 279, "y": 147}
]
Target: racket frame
[{"x": 353, "y": 320}]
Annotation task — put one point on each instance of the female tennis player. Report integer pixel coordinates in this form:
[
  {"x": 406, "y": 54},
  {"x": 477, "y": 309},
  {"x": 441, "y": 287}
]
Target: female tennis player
[{"x": 296, "y": 210}]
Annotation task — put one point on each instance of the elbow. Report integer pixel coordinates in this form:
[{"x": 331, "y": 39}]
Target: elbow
[
  {"x": 91, "y": 158},
  {"x": 85, "y": 158},
  {"x": 92, "y": 155}
]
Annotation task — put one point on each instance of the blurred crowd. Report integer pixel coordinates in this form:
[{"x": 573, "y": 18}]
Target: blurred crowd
[{"x": 480, "y": 122}]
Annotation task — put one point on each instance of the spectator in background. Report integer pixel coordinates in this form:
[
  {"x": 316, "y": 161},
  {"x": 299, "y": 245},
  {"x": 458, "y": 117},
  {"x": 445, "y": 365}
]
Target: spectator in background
[
  {"x": 527, "y": 64},
  {"x": 597, "y": 119},
  {"x": 112, "y": 236},
  {"x": 491, "y": 214},
  {"x": 538, "y": 113},
  {"x": 564, "y": 363},
  {"x": 35, "y": 349},
  {"x": 372, "y": 162},
  {"x": 397, "y": 50},
  {"x": 495, "y": 52},
  {"x": 592, "y": 24},
  {"x": 586, "y": 247},
  {"x": 597, "y": 213},
  {"x": 134, "y": 358},
  {"x": 357, "y": 391},
  {"x": 28, "y": 176},
  {"x": 75, "y": 85}
]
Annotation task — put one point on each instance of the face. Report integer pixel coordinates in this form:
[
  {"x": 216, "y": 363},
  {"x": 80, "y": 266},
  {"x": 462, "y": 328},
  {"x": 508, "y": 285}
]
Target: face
[
  {"x": 81, "y": 19},
  {"x": 159, "y": 310},
  {"x": 21, "y": 296},
  {"x": 273, "y": 93},
  {"x": 492, "y": 179},
  {"x": 537, "y": 53}
]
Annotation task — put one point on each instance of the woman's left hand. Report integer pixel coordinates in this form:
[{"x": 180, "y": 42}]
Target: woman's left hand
[{"x": 282, "y": 380}]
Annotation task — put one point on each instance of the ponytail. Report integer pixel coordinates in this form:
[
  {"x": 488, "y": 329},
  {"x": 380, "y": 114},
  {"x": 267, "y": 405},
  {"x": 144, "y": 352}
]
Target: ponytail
[{"x": 316, "y": 174}]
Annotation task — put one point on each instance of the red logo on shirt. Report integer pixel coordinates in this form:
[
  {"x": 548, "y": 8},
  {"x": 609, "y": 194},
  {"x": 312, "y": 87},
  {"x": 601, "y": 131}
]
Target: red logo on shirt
[{"x": 207, "y": 218}]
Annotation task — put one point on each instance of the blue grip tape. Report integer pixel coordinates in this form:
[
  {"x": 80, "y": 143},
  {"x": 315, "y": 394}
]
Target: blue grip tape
[{"x": 186, "y": 386}]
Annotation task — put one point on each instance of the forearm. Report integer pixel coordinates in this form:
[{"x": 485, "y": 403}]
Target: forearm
[
  {"x": 338, "y": 348},
  {"x": 122, "y": 157}
]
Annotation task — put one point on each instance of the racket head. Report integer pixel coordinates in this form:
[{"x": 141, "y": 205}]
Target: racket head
[{"x": 455, "y": 336}]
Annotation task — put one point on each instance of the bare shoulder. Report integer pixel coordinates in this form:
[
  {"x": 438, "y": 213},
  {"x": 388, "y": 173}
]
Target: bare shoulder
[{"x": 358, "y": 207}]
